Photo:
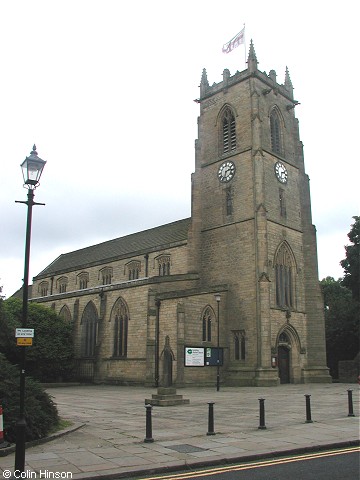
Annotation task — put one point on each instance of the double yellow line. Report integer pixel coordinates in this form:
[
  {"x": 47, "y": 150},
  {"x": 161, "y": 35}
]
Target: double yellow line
[{"x": 251, "y": 465}]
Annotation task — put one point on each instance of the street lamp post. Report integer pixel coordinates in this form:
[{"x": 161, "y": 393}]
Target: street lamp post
[
  {"x": 32, "y": 168},
  {"x": 218, "y": 298}
]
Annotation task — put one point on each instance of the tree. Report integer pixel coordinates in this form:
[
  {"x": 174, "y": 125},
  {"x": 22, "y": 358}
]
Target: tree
[
  {"x": 351, "y": 264},
  {"x": 341, "y": 323},
  {"x": 51, "y": 356}
]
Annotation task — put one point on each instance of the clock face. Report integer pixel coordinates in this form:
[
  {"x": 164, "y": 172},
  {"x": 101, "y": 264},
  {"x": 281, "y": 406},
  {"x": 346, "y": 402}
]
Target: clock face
[
  {"x": 226, "y": 171},
  {"x": 281, "y": 172}
]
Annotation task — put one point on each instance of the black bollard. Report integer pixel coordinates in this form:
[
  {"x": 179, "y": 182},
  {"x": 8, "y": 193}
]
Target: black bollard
[
  {"x": 350, "y": 402},
  {"x": 308, "y": 409},
  {"x": 262, "y": 414},
  {"x": 148, "y": 438},
  {"x": 211, "y": 419}
]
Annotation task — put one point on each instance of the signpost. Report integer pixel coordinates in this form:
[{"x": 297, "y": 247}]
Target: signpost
[
  {"x": 24, "y": 337},
  {"x": 23, "y": 342}
]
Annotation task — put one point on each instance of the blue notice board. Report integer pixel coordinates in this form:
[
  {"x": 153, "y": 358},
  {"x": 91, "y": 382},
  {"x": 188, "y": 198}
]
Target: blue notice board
[{"x": 214, "y": 356}]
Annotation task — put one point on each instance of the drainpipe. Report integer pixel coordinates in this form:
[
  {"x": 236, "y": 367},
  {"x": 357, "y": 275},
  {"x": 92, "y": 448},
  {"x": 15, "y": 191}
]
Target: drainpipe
[
  {"x": 157, "y": 338},
  {"x": 146, "y": 265}
]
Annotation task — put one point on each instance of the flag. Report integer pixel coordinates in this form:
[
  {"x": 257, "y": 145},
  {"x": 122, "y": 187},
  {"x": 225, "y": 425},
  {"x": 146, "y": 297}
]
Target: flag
[{"x": 234, "y": 42}]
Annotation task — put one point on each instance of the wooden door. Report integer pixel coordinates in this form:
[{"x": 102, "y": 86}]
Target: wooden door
[{"x": 284, "y": 364}]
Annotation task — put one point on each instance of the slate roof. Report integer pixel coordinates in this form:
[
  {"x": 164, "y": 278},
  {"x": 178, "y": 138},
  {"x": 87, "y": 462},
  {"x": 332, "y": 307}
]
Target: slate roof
[{"x": 153, "y": 239}]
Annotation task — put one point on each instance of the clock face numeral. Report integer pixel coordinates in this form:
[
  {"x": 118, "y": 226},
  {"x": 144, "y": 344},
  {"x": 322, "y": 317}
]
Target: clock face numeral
[
  {"x": 281, "y": 172},
  {"x": 226, "y": 171}
]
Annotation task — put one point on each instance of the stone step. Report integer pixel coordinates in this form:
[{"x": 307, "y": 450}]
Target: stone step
[{"x": 166, "y": 402}]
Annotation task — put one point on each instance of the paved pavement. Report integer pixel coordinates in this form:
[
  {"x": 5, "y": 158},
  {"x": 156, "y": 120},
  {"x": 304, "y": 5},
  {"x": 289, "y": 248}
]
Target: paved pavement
[{"x": 110, "y": 422}]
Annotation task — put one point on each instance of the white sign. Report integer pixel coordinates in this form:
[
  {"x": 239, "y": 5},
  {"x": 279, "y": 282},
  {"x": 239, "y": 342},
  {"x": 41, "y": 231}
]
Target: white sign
[
  {"x": 24, "y": 332},
  {"x": 194, "y": 357}
]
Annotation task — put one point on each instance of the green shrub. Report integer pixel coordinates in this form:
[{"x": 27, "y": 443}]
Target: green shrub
[
  {"x": 51, "y": 356},
  {"x": 40, "y": 412}
]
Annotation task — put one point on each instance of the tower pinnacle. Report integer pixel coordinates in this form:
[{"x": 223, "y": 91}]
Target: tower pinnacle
[{"x": 252, "y": 60}]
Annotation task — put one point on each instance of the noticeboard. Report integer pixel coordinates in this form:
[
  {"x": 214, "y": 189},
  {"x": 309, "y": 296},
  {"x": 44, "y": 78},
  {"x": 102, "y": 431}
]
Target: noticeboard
[
  {"x": 214, "y": 356},
  {"x": 194, "y": 356},
  {"x": 203, "y": 356}
]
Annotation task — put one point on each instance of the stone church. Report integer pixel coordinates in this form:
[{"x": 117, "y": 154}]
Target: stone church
[{"x": 235, "y": 286}]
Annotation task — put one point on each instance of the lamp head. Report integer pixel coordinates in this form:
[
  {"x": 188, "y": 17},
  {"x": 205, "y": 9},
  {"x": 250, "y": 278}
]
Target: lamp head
[
  {"x": 217, "y": 297},
  {"x": 32, "y": 168}
]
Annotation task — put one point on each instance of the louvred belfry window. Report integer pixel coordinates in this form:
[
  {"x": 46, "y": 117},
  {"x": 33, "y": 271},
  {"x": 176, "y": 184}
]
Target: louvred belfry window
[
  {"x": 228, "y": 130},
  {"x": 275, "y": 132}
]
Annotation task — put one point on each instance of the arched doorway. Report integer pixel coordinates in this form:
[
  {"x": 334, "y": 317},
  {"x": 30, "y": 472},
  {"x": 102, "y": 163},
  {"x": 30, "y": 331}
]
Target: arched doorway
[{"x": 284, "y": 364}]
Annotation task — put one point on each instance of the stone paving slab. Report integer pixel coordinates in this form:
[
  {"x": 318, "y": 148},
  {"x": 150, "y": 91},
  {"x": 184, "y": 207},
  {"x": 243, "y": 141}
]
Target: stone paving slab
[{"x": 110, "y": 444}]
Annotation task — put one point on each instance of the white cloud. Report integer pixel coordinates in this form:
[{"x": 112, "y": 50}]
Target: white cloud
[{"x": 106, "y": 90}]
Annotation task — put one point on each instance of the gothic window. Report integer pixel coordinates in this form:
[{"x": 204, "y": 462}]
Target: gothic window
[
  {"x": 283, "y": 338},
  {"x": 43, "y": 288},
  {"x": 89, "y": 322},
  {"x": 83, "y": 280},
  {"x": 229, "y": 202},
  {"x": 62, "y": 283},
  {"x": 163, "y": 265},
  {"x": 133, "y": 269},
  {"x": 65, "y": 314},
  {"x": 284, "y": 273},
  {"x": 228, "y": 131},
  {"x": 275, "y": 132},
  {"x": 282, "y": 202},
  {"x": 239, "y": 345},
  {"x": 120, "y": 316},
  {"x": 106, "y": 275},
  {"x": 207, "y": 317}
]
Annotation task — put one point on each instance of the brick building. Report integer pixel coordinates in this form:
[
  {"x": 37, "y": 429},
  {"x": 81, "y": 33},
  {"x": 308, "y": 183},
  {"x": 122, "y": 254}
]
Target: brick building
[{"x": 143, "y": 306}]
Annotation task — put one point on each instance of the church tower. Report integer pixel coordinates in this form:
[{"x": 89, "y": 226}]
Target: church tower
[{"x": 252, "y": 230}]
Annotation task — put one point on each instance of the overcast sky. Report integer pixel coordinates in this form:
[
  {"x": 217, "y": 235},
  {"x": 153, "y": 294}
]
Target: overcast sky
[{"x": 105, "y": 89}]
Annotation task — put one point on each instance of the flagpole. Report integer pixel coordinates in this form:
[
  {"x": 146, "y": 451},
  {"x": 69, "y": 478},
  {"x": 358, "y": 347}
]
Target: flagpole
[{"x": 245, "y": 50}]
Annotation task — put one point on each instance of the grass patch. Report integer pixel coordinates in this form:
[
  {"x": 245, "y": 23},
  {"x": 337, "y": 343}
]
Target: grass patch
[{"x": 62, "y": 424}]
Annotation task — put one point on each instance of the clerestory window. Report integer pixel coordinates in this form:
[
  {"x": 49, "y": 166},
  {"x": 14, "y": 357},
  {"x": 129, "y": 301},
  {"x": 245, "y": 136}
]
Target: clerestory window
[
  {"x": 133, "y": 268},
  {"x": 106, "y": 275},
  {"x": 163, "y": 265}
]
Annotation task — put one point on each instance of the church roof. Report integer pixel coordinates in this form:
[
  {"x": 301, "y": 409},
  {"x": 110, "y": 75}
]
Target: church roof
[{"x": 150, "y": 240}]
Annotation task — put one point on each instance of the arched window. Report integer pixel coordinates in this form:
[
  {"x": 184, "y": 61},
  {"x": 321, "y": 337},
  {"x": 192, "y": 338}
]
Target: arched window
[
  {"x": 229, "y": 202},
  {"x": 62, "y": 283},
  {"x": 283, "y": 338},
  {"x": 275, "y": 132},
  {"x": 239, "y": 345},
  {"x": 164, "y": 265},
  {"x": 120, "y": 316},
  {"x": 207, "y": 317},
  {"x": 89, "y": 322},
  {"x": 282, "y": 202},
  {"x": 65, "y": 314},
  {"x": 83, "y": 278},
  {"x": 284, "y": 273},
  {"x": 106, "y": 275},
  {"x": 228, "y": 131},
  {"x": 43, "y": 288},
  {"x": 133, "y": 269}
]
